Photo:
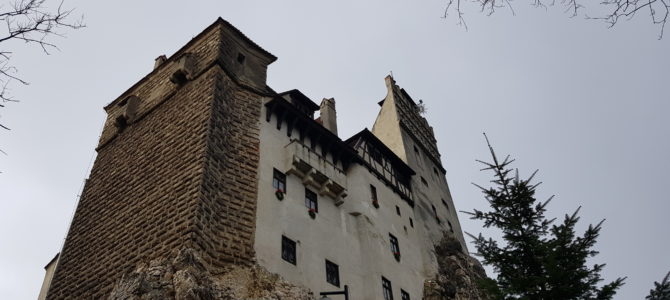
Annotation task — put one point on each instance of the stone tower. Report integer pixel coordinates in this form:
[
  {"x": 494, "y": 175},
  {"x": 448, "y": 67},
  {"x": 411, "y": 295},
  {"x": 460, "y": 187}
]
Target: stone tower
[
  {"x": 402, "y": 128},
  {"x": 176, "y": 167}
]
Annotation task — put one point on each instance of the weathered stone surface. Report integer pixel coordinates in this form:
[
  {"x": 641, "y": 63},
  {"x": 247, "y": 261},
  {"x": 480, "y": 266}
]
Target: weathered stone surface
[
  {"x": 180, "y": 173},
  {"x": 185, "y": 277},
  {"x": 458, "y": 273}
]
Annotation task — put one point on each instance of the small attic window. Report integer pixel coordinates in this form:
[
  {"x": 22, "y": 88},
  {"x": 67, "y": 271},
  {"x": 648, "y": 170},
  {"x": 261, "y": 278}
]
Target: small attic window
[{"x": 240, "y": 58}]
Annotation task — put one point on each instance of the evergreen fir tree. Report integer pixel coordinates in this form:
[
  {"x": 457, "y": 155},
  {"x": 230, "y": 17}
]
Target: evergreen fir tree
[
  {"x": 537, "y": 260},
  {"x": 661, "y": 290}
]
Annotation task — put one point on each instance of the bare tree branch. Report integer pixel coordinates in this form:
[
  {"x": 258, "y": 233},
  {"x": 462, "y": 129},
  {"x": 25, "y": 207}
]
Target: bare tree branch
[
  {"x": 30, "y": 22},
  {"x": 658, "y": 10}
]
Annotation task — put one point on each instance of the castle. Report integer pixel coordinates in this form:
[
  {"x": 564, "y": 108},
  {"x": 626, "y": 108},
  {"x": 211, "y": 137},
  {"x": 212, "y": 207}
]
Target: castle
[{"x": 201, "y": 154}]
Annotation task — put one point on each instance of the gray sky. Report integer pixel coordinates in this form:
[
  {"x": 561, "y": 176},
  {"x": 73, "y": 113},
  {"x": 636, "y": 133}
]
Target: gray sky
[{"x": 584, "y": 104}]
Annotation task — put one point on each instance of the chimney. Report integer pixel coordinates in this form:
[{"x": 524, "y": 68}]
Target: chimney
[
  {"x": 328, "y": 116},
  {"x": 159, "y": 61}
]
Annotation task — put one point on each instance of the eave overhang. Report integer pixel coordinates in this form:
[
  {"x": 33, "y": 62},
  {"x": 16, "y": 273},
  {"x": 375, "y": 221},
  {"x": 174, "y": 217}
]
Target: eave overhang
[{"x": 304, "y": 126}]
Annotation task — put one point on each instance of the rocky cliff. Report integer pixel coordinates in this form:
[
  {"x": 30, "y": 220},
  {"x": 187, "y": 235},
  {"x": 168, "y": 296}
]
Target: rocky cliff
[
  {"x": 184, "y": 276},
  {"x": 458, "y": 273}
]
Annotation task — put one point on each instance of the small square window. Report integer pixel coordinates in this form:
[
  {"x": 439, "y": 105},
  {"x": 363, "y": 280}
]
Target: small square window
[
  {"x": 240, "y": 58},
  {"x": 404, "y": 295},
  {"x": 332, "y": 273},
  {"x": 310, "y": 201},
  {"x": 288, "y": 250},
  {"x": 279, "y": 180},
  {"x": 386, "y": 288},
  {"x": 397, "y": 210}
]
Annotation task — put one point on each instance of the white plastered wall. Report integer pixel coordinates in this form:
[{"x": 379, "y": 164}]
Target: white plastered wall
[{"x": 354, "y": 235}]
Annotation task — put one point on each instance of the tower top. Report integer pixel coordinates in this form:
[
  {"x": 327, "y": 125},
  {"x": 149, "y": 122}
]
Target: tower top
[
  {"x": 406, "y": 115},
  {"x": 229, "y": 39}
]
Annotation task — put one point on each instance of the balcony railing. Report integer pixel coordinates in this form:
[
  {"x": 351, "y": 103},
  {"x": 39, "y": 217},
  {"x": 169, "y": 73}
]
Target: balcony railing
[{"x": 316, "y": 171}]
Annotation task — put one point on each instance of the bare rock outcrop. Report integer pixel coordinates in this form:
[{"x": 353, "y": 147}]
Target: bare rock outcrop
[
  {"x": 184, "y": 276},
  {"x": 458, "y": 274}
]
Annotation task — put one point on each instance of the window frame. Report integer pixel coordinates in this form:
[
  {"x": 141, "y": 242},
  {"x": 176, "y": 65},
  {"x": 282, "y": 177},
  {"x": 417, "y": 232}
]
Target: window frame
[
  {"x": 387, "y": 289},
  {"x": 395, "y": 246},
  {"x": 404, "y": 295},
  {"x": 287, "y": 255},
  {"x": 278, "y": 180},
  {"x": 311, "y": 203},
  {"x": 332, "y": 273}
]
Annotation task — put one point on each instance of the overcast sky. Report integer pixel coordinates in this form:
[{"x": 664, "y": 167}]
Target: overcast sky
[{"x": 584, "y": 104}]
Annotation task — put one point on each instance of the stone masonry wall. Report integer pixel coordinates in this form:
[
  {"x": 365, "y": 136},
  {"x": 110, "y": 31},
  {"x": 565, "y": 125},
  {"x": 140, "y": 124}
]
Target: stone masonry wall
[
  {"x": 226, "y": 214},
  {"x": 156, "y": 86},
  {"x": 140, "y": 197},
  {"x": 182, "y": 175}
]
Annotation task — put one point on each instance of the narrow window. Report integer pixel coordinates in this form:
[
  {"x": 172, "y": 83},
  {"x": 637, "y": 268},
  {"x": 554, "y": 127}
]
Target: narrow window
[
  {"x": 240, "y": 58},
  {"x": 451, "y": 228},
  {"x": 373, "y": 195},
  {"x": 435, "y": 213},
  {"x": 435, "y": 171},
  {"x": 411, "y": 222},
  {"x": 395, "y": 249},
  {"x": 386, "y": 287},
  {"x": 424, "y": 181},
  {"x": 288, "y": 250},
  {"x": 397, "y": 210},
  {"x": 404, "y": 295},
  {"x": 445, "y": 204},
  {"x": 310, "y": 201},
  {"x": 279, "y": 180},
  {"x": 332, "y": 273}
]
